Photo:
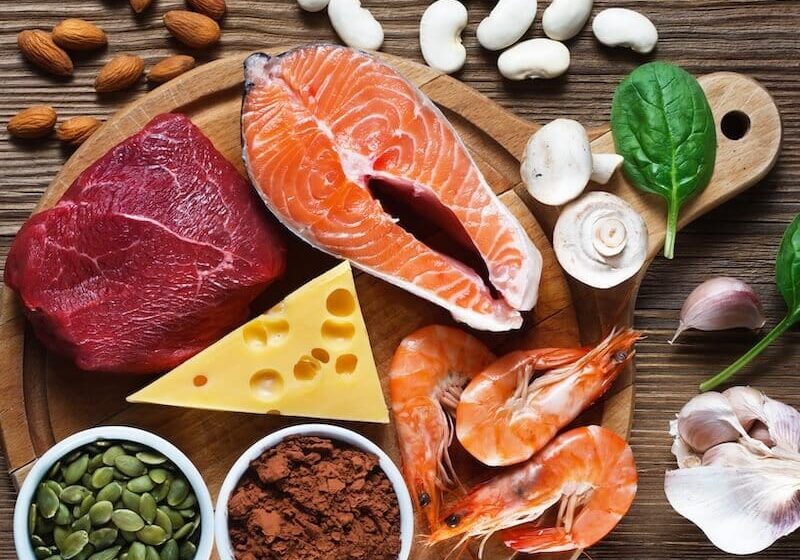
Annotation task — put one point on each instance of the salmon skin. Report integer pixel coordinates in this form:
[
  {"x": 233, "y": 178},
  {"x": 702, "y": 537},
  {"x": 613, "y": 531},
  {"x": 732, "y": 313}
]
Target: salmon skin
[{"x": 320, "y": 122}]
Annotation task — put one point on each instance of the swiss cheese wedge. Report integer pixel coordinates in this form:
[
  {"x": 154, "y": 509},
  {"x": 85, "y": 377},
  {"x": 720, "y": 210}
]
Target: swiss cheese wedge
[{"x": 307, "y": 356}]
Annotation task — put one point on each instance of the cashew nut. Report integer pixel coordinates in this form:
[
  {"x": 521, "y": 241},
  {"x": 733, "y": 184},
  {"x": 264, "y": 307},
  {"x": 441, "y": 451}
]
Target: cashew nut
[
  {"x": 563, "y": 19},
  {"x": 506, "y": 23},
  {"x": 440, "y": 35},
  {"x": 355, "y": 25},
  {"x": 536, "y": 58},
  {"x": 620, "y": 27},
  {"x": 604, "y": 166},
  {"x": 313, "y": 5}
]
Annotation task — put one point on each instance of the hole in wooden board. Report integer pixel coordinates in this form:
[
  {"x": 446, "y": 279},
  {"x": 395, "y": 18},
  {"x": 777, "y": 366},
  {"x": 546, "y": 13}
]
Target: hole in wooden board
[
  {"x": 735, "y": 125},
  {"x": 200, "y": 380}
]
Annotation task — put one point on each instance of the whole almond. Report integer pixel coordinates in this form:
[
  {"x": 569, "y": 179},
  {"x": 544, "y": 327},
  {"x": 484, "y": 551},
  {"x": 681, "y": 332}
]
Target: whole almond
[
  {"x": 140, "y": 5},
  {"x": 214, "y": 9},
  {"x": 121, "y": 72},
  {"x": 79, "y": 35},
  {"x": 192, "y": 29},
  {"x": 38, "y": 47},
  {"x": 34, "y": 122},
  {"x": 169, "y": 68},
  {"x": 76, "y": 131}
]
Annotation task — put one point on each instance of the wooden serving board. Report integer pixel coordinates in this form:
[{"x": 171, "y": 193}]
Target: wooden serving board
[{"x": 45, "y": 398}]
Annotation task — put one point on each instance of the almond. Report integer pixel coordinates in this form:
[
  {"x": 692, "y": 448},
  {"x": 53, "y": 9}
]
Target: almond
[
  {"x": 38, "y": 47},
  {"x": 76, "y": 131},
  {"x": 192, "y": 29},
  {"x": 140, "y": 5},
  {"x": 79, "y": 35},
  {"x": 121, "y": 72},
  {"x": 169, "y": 68},
  {"x": 214, "y": 9},
  {"x": 34, "y": 122}
]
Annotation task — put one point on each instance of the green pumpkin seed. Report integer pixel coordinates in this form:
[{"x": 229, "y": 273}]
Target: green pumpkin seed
[
  {"x": 129, "y": 466},
  {"x": 131, "y": 447},
  {"x": 152, "y": 535},
  {"x": 107, "y": 554},
  {"x": 75, "y": 470},
  {"x": 32, "y": 516},
  {"x": 137, "y": 551},
  {"x": 187, "y": 513},
  {"x": 86, "y": 480},
  {"x": 151, "y": 458},
  {"x": 177, "y": 492},
  {"x": 128, "y": 536},
  {"x": 175, "y": 517},
  {"x": 54, "y": 557},
  {"x": 63, "y": 516},
  {"x": 82, "y": 524},
  {"x": 95, "y": 463},
  {"x": 187, "y": 551},
  {"x": 86, "y": 504},
  {"x": 71, "y": 457},
  {"x": 41, "y": 552},
  {"x": 196, "y": 525},
  {"x": 141, "y": 484},
  {"x": 110, "y": 493},
  {"x": 60, "y": 534},
  {"x": 84, "y": 554},
  {"x": 147, "y": 507},
  {"x": 76, "y": 511},
  {"x": 158, "y": 475},
  {"x": 103, "y": 538},
  {"x": 130, "y": 500},
  {"x": 170, "y": 550},
  {"x": 127, "y": 520},
  {"x": 152, "y": 554},
  {"x": 163, "y": 521},
  {"x": 110, "y": 455},
  {"x": 161, "y": 492},
  {"x": 188, "y": 503},
  {"x": 74, "y": 544},
  {"x": 184, "y": 531},
  {"x": 36, "y": 540},
  {"x": 54, "y": 470},
  {"x": 100, "y": 513},
  {"x": 102, "y": 477},
  {"x": 73, "y": 495},
  {"x": 43, "y": 526},
  {"x": 103, "y": 443},
  {"x": 124, "y": 556},
  {"x": 46, "y": 501},
  {"x": 54, "y": 486}
]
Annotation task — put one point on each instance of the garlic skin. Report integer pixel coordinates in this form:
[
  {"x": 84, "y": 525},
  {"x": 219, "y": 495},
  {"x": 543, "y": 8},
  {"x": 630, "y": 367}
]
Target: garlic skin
[
  {"x": 718, "y": 304},
  {"x": 708, "y": 420}
]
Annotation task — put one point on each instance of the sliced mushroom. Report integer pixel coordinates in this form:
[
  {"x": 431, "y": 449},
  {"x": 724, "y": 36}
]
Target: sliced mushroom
[
  {"x": 600, "y": 240},
  {"x": 558, "y": 163}
]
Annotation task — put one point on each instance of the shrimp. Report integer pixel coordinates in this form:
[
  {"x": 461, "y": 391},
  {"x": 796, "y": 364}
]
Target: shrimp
[
  {"x": 589, "y": 470},
  {"x": 504, "y": 418},
  {"x": 429, "y": 370}
]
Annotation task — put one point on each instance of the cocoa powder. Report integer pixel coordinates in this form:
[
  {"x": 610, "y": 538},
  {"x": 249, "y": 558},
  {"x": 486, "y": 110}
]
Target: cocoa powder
[{"x": 310, "y": 498}]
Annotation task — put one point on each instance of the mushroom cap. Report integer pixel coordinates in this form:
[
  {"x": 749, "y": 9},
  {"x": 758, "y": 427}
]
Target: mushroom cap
[
  {"x": 557, "y": 163},
  {"x": 600, "y": 240}
]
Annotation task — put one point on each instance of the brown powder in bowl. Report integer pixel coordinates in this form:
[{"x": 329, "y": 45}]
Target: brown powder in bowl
[{"x": 310, "y": 498}]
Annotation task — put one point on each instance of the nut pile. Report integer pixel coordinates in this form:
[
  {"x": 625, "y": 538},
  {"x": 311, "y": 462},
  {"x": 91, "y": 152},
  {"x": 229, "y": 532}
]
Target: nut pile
[
  {"x": 112, "y": 500},
  {"x": 49, "y": 51}
]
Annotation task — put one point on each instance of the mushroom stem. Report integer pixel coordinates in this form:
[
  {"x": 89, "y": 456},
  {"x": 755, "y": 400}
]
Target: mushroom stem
[
  {"x": 604, "y": 166},
  {"x": 610, "y": 236}
]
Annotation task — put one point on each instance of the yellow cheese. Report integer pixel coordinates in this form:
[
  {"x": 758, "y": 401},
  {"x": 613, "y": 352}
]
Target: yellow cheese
[{"x": 308, "y": 356}]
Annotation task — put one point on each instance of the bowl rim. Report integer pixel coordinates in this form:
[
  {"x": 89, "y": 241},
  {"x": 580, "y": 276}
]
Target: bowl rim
[
  {"x": 27, "y": 491},
  {"x": 224, "y": 547}
]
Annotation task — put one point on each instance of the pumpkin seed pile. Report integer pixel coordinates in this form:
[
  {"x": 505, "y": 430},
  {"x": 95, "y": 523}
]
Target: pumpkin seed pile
[{"x": 114, "y": 500}]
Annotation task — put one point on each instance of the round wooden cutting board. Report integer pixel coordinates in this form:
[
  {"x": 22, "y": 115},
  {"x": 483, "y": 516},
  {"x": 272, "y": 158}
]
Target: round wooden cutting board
[{"x": 45, "y": 398}]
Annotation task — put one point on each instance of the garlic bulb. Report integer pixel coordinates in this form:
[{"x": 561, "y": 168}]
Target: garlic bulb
[
  {"x": 743, "y": 494},
  {"x": 718, "y": 304}
]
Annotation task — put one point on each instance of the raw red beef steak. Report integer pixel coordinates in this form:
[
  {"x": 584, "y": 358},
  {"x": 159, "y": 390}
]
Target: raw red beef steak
[{"x": 155, "y": 252}]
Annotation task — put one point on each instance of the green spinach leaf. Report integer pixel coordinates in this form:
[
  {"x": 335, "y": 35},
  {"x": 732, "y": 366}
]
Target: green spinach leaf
[
  {"x": 787, "y": 277},
  {"x": 664, "y": 128}
]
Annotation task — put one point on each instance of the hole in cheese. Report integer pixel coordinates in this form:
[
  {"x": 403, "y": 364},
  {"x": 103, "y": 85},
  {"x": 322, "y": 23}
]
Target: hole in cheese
[
  {"x": 266, "y": 385},
  {"x": 346, "y": 364},
  {"x": 200, "y": 380},
  {"x": 341, "y": 303},
  {"x": 277, "y": 330},
  {"x": 255, "y": 335},
  {"x": 274, "y": 412},
  {"x": 321, "y": 354},
  {"x": 306, "y": 368},
  {"x": 338, "y": 331}
]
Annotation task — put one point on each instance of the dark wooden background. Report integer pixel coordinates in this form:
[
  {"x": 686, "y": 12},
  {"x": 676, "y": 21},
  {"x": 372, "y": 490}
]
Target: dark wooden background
[{"x": 757, "y": 37}]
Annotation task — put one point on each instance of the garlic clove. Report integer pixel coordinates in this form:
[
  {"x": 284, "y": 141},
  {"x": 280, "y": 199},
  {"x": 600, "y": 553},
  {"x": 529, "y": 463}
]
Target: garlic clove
[
  {"x": 760, "y": 432},
  {"x": 783, "y": 424},
  {"x": 684, "y": 454},
  {"x": 729, "y": 454},
  {"x": 708, "y": 420},
  {"x": 747, "y": 404},
  {"x": 718, "y": 304}
]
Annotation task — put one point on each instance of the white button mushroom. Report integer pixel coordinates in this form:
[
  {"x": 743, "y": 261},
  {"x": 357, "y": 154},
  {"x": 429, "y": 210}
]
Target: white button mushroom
[
  {"x": 356, "y": 26},
  {"x": 600, "y": 240},
  {"x": 313, "y": 5},
  {"x": 440, "y": 35},
  {"x": 620, "y": 27},
  {"x": 506, "y": 23},
  {"x": 563, "y": 19},
  {"x": 536, "y": 58}
]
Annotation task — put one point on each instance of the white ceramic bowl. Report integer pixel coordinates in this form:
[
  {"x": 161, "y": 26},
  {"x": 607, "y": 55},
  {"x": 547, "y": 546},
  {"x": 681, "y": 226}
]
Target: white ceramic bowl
[
  {"x": 120, "y": 433},
  {"x": 224, "y": 547}
]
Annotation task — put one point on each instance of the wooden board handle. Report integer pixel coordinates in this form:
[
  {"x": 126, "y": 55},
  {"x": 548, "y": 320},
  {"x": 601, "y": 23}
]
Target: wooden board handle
[{"x": 748, "y": 142}]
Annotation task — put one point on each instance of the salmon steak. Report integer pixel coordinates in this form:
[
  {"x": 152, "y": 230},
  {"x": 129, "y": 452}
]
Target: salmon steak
[{"x": 321, "y": 124}]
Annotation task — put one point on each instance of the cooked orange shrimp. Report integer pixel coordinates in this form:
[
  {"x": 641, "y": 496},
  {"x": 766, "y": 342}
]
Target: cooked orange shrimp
[
  {"x": 507, "y": 413},
  {"x": 589, "y": 470},
  {"x": 429, "y": 370}
]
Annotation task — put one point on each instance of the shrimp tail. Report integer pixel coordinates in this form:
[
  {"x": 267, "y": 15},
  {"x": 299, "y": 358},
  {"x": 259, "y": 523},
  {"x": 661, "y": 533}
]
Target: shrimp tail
[{"x": 531, "y": 539}]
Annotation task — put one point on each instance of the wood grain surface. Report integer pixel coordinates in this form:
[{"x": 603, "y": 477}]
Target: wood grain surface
[{"x": 758, "y": 38}]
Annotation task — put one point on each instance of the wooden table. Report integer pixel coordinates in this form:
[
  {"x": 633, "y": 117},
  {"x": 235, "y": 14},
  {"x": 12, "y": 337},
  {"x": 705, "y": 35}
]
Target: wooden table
[{"x": 740, "y": 238}]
